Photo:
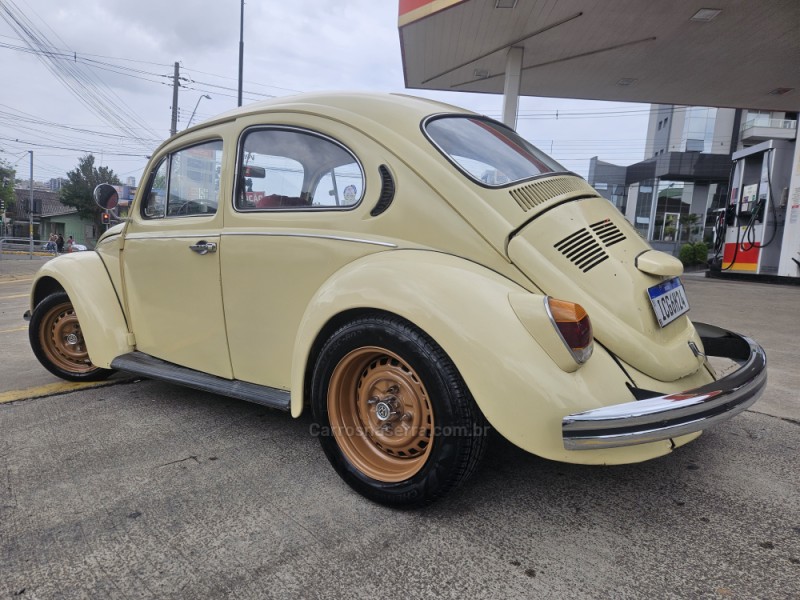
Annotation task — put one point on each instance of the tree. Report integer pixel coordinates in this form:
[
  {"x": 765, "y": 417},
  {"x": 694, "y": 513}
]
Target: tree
[
  {"x": 692, "y": 226},
  {"x": 77, "y": 192},
  {"x": 7, "y": 199}
]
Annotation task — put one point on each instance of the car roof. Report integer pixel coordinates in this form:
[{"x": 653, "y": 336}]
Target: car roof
[{"x": 361, "y": 106}]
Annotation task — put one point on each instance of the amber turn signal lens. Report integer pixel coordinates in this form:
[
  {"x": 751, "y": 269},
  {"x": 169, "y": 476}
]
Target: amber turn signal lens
[{"x": 574, "y": 326}]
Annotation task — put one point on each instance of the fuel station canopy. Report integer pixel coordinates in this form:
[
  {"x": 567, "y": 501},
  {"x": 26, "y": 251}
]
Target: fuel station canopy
[{"x": 723, "y": 53}]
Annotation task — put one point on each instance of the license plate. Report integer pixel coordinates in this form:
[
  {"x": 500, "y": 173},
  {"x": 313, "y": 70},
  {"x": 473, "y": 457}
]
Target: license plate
[{"x": 669, "y": 301}]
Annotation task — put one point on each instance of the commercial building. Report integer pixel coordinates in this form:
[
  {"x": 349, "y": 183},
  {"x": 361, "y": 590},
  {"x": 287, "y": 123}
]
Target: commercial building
[{"x": 675, "y": 194}]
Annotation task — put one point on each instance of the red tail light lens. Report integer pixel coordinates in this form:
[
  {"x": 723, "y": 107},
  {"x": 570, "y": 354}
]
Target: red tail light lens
[{"x": 574, "y": 326}]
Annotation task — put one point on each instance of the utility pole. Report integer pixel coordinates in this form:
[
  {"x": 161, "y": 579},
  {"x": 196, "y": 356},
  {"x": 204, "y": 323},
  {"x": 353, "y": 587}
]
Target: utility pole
[
  {"x": 30, "y": 212},
  {"x": 241, "y": 51},
  {"x": 175, "y": 84}
]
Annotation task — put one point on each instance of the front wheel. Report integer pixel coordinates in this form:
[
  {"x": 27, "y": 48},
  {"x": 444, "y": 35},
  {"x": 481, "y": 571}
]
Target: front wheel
[
  {"x": 57, "y": 341},
  {"x": 395, "y": 418}
]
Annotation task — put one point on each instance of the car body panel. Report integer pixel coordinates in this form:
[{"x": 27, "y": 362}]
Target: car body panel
[
  {"x": 518, "y": 387},
  {"x": 174, "y": 294},
  {"x": 614, "y": 291},
  {"x": 84, "y": 278}
]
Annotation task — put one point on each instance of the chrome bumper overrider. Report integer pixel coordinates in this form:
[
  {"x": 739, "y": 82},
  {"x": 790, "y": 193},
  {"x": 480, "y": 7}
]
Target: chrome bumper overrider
[{"x": 673, "y": 415}]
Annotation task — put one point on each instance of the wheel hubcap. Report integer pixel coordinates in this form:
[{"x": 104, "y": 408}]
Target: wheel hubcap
[{"x": 380, "y": 414}]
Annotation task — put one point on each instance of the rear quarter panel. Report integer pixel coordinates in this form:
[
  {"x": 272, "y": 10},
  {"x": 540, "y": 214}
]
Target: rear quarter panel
[{"x": 465, "y": 308}]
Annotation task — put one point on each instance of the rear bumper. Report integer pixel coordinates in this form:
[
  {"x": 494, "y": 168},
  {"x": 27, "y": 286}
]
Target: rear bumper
[{"x": 673, "y": 415}]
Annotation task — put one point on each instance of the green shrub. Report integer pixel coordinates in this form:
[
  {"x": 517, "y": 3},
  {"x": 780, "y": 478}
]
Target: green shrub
[
  {"x": 686, "y": 255},
  {"x": 700, "y": 253},
  {"x": 693, "y": 254}
]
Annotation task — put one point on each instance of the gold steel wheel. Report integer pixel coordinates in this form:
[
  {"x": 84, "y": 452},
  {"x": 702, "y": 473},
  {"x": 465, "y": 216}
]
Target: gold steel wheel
[
  {"x": 380, "y": 414},
  {"x": 61, "y": 339}
]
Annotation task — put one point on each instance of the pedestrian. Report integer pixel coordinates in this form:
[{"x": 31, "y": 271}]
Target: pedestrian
[
  {"x": 69, "y": 243},
  {"x": 60, "y": 244},
  {"x": 51, "y": 244}
]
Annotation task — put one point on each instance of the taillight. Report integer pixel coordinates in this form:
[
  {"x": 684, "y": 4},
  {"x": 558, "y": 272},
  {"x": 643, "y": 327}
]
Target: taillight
[{"x": 573, "y": 325}]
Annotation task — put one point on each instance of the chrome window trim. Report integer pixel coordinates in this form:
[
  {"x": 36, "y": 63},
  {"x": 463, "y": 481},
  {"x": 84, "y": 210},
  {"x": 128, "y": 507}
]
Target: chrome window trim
[
  {"x": 238, "y": 166},
  {"x": 340, "y": 238}
]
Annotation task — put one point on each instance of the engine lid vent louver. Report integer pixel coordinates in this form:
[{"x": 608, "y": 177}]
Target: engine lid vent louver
[
  {"x": 608, "y": 233},
  {"x": 533, "y": 194},
  {"x": 584, "y": 250}
]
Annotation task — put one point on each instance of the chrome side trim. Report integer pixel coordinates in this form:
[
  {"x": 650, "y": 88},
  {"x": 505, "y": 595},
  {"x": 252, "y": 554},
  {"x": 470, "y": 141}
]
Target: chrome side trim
[
  {"x": 322, "y": 236},
  {"x": 673, "y": 415},
  {"x": 157, "y": 235}
]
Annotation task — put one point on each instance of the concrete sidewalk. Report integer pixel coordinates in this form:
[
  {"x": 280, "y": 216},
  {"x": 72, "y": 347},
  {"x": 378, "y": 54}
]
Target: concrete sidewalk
[{"x": 16, "y": 266}]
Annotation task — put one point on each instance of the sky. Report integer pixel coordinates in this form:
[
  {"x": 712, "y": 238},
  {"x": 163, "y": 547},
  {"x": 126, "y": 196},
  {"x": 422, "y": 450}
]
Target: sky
[{"x": 82, "y": 76}]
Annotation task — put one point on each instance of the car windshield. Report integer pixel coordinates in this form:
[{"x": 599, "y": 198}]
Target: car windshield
[{"x": 488, "y": 152}]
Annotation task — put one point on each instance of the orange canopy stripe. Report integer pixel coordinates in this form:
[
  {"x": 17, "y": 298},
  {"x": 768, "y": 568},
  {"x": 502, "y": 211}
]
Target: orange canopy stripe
[{"x": 414, "y": 10}]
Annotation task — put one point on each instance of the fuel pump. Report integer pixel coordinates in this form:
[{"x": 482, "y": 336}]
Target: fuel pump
[{"x": 755, "y": 214}]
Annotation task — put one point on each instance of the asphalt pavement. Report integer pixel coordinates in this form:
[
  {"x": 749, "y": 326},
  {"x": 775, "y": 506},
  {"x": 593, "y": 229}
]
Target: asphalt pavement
[{"x": 147, "y": 490}]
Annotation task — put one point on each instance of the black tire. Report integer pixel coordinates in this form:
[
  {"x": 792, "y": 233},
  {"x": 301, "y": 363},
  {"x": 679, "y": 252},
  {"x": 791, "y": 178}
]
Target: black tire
[
  {"x": 394, "y": 416},
  {"x": 57, "y": 341}
]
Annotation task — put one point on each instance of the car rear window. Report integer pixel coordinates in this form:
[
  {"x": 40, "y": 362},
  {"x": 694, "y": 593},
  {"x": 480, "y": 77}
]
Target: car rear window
[{"x": 487, "y": 151}]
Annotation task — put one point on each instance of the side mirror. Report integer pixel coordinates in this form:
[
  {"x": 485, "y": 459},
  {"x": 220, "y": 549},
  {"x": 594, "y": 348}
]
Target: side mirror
[{"x": 106, "y": 196}]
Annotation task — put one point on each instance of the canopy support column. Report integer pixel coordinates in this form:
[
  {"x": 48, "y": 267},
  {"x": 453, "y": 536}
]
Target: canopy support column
[{"x": 512, "y": 85}]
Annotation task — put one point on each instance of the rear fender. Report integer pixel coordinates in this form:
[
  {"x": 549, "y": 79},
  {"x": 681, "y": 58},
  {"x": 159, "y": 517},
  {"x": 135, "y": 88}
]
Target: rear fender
[
  {"x": 467, "y": 309},
  {"x": 83, "y": 276}
]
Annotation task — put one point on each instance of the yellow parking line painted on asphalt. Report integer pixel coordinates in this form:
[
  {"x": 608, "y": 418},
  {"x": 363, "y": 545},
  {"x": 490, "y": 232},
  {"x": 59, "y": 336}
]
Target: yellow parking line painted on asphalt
[
  {"x": 14, "y": 296},
  {"x": 52, "y": 389},
  {"x": 12, "y": 330},
  {"x": 16, "y": 281}
]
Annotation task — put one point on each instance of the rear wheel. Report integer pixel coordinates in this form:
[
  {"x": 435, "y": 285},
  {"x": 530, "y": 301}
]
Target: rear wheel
[
  {"x": 57, "y": 341},
  {"x": 396, "y": 420}
]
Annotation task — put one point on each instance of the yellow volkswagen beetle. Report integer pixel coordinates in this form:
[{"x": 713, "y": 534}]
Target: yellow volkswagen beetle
[{"x": 412, "y": 272}]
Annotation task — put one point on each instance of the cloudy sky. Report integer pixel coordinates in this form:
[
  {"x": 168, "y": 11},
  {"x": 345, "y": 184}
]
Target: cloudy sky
[{"x": 84, "y": 76}]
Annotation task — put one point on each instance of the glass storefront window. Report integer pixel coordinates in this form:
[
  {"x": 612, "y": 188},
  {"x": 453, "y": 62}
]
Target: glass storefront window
[
  {"x": 698, "y": 129},
  {"x": 672, "y": 222}
]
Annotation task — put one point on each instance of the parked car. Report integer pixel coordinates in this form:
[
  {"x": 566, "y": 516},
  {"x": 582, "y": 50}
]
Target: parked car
[{"x": 412, "y": 273}]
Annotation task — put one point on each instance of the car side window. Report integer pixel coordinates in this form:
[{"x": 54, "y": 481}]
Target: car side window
[
  {"x": 290, "y": 169},
  {"x": 186, "y": 183}
]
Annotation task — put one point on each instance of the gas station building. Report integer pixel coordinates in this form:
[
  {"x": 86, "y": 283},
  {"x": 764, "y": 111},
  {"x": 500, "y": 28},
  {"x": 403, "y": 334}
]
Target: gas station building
[{"x": 723, "y": 78}]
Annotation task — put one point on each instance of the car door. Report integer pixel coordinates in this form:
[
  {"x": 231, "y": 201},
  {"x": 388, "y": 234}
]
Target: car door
[
  {"x": 290, "y": 230},
  {"x": 171, "y": 265}
]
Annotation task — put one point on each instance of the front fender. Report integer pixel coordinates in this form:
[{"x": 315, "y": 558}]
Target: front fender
[
  {"x": 84, "y": 278},
  {"x": 468, "y": 310}
]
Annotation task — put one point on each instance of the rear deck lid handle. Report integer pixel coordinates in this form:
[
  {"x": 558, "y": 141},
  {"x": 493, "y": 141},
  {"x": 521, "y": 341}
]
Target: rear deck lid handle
[{"x": 654, "y": 262}]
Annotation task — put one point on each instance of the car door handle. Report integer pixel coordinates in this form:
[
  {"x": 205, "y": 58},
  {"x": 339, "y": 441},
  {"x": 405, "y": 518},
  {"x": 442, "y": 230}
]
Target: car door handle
[{"x": 203, "y": 247}]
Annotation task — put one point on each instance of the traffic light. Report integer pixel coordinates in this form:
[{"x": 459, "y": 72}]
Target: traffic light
[{"x": 106, "y": 218}]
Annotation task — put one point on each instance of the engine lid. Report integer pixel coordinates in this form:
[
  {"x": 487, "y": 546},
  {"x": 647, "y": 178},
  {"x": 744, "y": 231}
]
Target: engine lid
[{"x": 584, "y": 251}]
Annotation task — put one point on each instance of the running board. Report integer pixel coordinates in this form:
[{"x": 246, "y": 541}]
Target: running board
[{"x": 145, "y": 365}]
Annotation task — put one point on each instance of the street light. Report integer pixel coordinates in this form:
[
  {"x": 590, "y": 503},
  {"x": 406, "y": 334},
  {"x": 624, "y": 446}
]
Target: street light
[
  {"x": 195, "y": 109},
  {"x": 241, "y": 52}
]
